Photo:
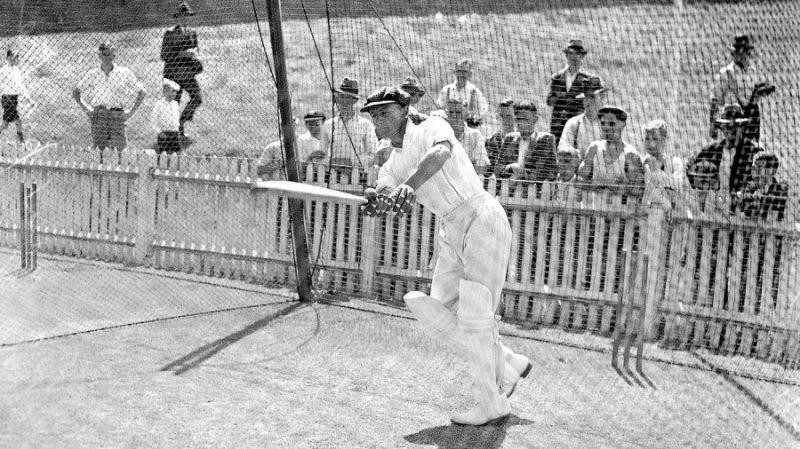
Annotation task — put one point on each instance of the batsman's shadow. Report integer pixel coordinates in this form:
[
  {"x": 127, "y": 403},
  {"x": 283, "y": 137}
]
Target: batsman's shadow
[{"x": 467, "y": 437}]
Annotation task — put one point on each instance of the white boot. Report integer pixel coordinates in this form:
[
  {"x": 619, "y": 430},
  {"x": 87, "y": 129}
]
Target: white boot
[
  {"x": 477, "y": 322},
  {"x": 517, "y": 367}
]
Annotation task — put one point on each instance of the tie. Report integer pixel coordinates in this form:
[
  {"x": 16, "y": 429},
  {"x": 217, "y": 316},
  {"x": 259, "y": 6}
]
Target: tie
[{"x": 725, "y": 171}]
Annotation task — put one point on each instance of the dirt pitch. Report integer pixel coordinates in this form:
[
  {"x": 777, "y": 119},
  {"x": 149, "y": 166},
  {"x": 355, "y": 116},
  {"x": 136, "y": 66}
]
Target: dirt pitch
[{"x": 186, "y": 361}]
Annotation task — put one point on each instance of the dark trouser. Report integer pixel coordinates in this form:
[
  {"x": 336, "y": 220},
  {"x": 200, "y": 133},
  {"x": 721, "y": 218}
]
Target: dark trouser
[
  {"x": 168, "y": 142},
  {"x": 108, "y": 128},
  {"x": 192, "y": 88}
]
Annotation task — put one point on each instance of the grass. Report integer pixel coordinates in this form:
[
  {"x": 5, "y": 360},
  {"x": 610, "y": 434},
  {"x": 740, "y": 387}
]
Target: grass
[{"x": 659, "y": 61}]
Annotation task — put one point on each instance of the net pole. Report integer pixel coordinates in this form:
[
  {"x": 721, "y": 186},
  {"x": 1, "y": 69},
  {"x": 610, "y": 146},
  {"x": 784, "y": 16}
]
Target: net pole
[{"x": 303, "y": 267}]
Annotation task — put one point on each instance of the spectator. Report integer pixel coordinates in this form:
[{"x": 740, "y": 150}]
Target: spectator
[
  {"x": 308, "y": 149},
  {"x": 742, "y": 83},
  {"x": 584, "y": 128},
  {"x": 165, "y": 119},
  {"x": 505, "y": 112},
  {"x": 664, "y": 174},
  {"x": 348, "y": 139},
  {"x": 611, "y": 162},
  {"x": 565, "y": 86},
  {"x": 110, "y": 86},
  {"x": 703, "y": 175},
  {"x": 733, "y": 155},
  {"x": 179, "y": 52},
  {"x": 463, "y": 91},
  {"x": 12, "y": 87},
  {"x": 764, "y": 194},
  {"x": 471, "y": 139},
  {"x": 413, "y": 88},
  {"x": 568, "y": 161},
  {"x": 527, "y": 154}
]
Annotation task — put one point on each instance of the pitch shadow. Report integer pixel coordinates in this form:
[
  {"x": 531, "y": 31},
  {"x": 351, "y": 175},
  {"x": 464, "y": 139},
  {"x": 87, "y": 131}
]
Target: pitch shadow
[
  {"x": 467, "y": 437},
  {"x": 200, "y": 355}
]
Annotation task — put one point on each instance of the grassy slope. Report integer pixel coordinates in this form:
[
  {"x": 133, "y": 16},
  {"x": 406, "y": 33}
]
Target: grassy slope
[{"x": 658, "y": 60}]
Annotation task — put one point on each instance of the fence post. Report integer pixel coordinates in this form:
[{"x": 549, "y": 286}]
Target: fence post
[
  {"x": 653, "y": 248},
  {"x": 145, "y": 206},
  {"x": 369, "y": 244}
]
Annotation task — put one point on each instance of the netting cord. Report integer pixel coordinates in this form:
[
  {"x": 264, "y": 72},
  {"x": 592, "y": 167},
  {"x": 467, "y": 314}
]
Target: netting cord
[
  {"x": 396, "y": 44},
  {"x": 328, "y": 80}
]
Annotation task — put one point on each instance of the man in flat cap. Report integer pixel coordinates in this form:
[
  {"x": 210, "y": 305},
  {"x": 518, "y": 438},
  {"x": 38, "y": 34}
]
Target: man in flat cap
[
  {"x": 584, "y": 128},
  {"x": 741, "y": 82},
  {"x": 565, "y": 86},
  {"x": 179, "y": 52},
  {"x": 463, "y": 91},
  {"x": 429, "y": 165},
  {"x": 109, "y": 89}
]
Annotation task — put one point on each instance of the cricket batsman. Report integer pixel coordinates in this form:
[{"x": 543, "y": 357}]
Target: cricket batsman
[{"x": 429, "y": 165}]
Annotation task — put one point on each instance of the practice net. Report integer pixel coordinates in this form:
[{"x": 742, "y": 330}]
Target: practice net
[{"x": 706, "y": 275}]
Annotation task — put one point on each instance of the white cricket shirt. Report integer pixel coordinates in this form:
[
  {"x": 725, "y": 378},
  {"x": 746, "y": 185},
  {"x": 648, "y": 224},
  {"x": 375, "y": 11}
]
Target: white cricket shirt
[{"x": 114, "y": 90}]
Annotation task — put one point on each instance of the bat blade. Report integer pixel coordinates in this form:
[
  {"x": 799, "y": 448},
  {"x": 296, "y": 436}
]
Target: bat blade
[{"x": 308, "y": 192}]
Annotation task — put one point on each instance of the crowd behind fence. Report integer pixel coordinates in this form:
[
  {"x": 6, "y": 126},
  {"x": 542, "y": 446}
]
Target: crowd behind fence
[{"x": 715, "y": 281}]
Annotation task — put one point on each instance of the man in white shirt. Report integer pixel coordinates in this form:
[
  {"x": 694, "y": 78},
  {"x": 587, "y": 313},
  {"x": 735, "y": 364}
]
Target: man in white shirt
[
  {"x": 12, "y": 87},
  {"x": 430, "y": 165},
  {"x": 740, "y": 82},
  {"x": 111, "y": 86},
  {"x": 165, "y": 119},
  {"x": 348, "y": 139},
  {"x": 308, "y": 149},
  {"x": 583, "y": 129},
  {"x": 463, "y": 91},
  {"x": 471, "y": 139}
]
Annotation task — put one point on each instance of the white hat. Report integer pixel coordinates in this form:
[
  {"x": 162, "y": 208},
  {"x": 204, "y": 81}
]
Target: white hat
[{"x": 172, "y": 84}]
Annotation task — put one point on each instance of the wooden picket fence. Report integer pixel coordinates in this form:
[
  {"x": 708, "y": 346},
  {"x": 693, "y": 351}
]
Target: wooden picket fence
[{"x": 713, "y": 280}]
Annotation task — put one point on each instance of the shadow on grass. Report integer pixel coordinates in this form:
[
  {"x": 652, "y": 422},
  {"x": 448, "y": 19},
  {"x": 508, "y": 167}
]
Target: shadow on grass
[
  {"x": 456, "y": 436},
  {"x": 200, "y": 355},
  {"x": 752, "y": 397}
]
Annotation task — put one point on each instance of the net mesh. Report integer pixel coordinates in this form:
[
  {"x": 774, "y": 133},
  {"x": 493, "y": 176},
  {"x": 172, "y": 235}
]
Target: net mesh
[{"x": 717, "y": 282}]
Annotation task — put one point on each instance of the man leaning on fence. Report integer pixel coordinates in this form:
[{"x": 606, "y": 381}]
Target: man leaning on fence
[
  {"x": 526, "y": 153},
  {"x": 764, "y": 194},
  {"x": 110, "y": 88}
]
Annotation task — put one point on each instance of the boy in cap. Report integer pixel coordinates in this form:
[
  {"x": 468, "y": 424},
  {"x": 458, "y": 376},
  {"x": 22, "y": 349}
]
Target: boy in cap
[
  {"x": 430, "y": 166},
  {"x": 12, "y": 87},
  {"x": 348, "y": 139},
  {"x": 740, "y": 82},
  {"x": 308, "y": 149},
  {"x": 565, "y": 85},
  {"x": 463, "y": 91},
  {"x": 165, "y": 119},
  {"x": 179, "y": 50}
]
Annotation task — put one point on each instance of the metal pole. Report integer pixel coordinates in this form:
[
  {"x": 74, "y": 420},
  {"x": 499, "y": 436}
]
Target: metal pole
[
  {"x": 23, "y": 239},
  {"x": 303, "y": 267}
]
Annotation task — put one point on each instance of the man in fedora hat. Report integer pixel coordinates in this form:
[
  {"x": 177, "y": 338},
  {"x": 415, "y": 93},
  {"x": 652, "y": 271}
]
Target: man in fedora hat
[
  {"x": 462, "y": 90},
  {"x": 415, "y": 90},
  {"x": 733, "y": 154},
  {"x": 429, "y": 165},
  {"x": 565, "y": 86},
  {"x": 584, "y": 128},
  {"x": 348, "y": 139},
  {"x": 741, "y": 82},
  {"x": 179, "y": 52}
]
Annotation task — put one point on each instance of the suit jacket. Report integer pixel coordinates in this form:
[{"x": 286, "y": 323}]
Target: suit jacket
[
  {"x": 539, "y": 162},
  {"x": 759, "y": 205},
  {"x": 177, "y": 67},
  {"x": 566, "y": 106},
  {"x": 741, "y": 162}
]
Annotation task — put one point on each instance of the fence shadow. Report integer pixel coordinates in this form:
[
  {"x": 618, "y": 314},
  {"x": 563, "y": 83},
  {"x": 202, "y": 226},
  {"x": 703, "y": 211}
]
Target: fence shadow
[
  {"x": 461, "y": 437},
  {"x": 200, "y": 355}
]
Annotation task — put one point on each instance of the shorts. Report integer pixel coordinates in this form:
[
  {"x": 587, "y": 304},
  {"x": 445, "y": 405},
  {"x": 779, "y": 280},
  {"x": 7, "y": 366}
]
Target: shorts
[{"x": 10, "y": 113}]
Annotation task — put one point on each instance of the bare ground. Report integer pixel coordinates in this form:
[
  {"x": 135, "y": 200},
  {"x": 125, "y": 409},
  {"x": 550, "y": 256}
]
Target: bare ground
[{"x": 185, "y": 361}]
